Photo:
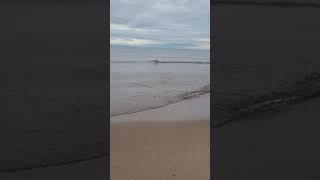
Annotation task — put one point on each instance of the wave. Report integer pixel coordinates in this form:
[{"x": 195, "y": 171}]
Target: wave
[
  {"x": 178, "y": 98},
  {"x": 191, "y": 94},
  {"x": 168, "y": 62}
]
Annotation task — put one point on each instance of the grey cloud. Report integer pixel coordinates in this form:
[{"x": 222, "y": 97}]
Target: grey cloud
[{"x": 178, "y": 23}]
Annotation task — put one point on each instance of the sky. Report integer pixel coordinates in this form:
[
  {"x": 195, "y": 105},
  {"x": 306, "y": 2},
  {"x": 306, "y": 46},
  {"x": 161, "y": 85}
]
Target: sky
[{"x": 182, "y": 24}]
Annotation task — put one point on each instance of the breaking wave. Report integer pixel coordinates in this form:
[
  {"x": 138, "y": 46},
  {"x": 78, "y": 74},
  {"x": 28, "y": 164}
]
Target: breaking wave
[{"x": 180, "y": 97}]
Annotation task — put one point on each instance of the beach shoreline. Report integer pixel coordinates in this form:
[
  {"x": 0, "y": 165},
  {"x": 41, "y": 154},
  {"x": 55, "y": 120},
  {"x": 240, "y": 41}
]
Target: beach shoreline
[
  {"x": 164, "y": 148},
  {"x": 182, "y": 110},
  {"x": 172, "y": 142}
]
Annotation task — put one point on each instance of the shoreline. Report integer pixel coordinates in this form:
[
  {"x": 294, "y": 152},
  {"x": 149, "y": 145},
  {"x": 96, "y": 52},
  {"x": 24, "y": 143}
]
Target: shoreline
[
  {"x": 181, "y": 97},
  {"x": 176, "y": 110},
  {"x": 180, "y": 105},
  {"x": 140, "y": 149}
]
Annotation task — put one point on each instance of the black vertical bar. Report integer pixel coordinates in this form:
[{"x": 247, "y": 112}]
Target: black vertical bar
[{"x": 54, "y": 93}]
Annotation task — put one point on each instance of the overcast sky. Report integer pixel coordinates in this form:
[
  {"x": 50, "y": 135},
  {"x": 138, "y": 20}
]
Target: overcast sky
[{"x": 161, "y": 23}]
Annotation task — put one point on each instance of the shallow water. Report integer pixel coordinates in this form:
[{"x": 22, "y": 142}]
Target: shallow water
[{"x": 138, "y": 84}]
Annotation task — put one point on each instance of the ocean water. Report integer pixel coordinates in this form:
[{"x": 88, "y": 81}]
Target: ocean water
[{"x": 146, "y": 78}]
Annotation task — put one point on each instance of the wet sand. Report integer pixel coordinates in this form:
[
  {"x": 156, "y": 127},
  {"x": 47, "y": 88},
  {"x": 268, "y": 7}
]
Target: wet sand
[{"x": 164, "y": 143}]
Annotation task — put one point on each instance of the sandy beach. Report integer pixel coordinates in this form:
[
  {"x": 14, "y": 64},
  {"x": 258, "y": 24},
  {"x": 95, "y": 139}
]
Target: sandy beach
[
  {"x": 171, "y": 146},
  {"x": 165, "y": 147}
]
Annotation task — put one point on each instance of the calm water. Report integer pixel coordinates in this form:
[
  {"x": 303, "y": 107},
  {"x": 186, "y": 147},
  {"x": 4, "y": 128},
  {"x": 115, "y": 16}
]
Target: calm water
[{"x": 138, "y": 84}]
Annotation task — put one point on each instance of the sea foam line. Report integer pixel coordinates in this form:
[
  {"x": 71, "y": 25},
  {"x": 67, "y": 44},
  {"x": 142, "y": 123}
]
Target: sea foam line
[{"x": 181, "y": 97}]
